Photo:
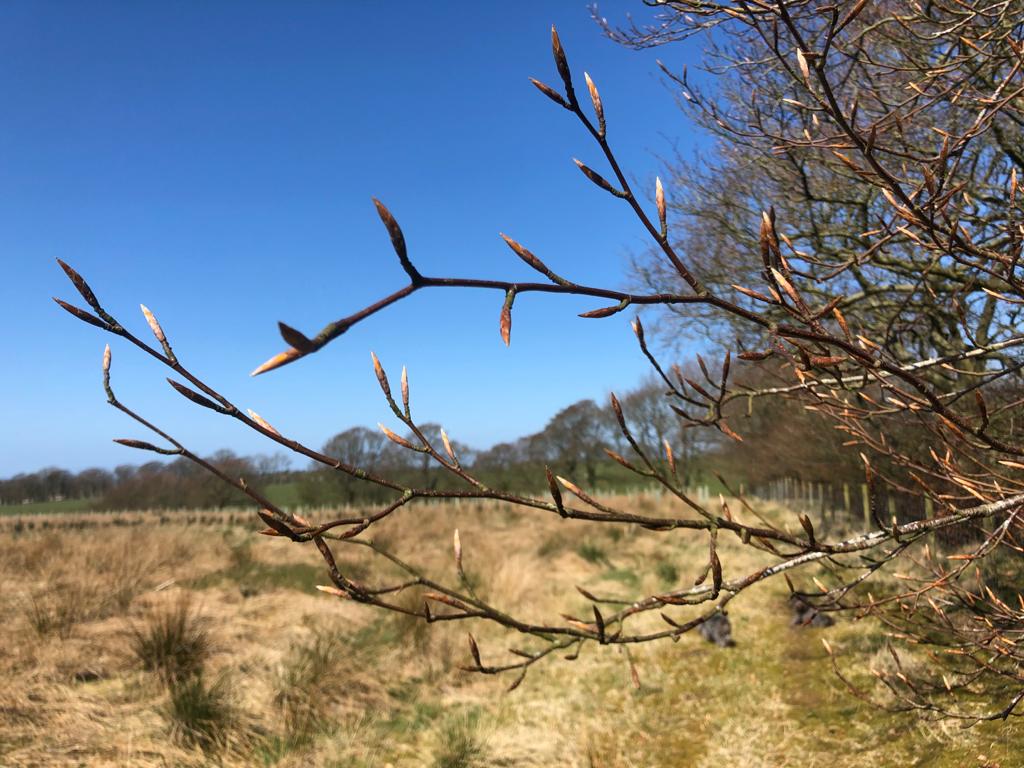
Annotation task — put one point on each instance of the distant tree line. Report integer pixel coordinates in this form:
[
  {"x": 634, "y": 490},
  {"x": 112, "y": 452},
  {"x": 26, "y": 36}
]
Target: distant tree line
[
  {"x": 154, "y": 484},
  {"x": 573, "y": 444}
]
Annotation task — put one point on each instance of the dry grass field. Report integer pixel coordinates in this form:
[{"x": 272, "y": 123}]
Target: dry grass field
[{"x": 190, "y": 641}]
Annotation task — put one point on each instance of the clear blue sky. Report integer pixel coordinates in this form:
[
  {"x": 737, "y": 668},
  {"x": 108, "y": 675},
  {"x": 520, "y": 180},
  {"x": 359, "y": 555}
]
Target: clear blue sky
[{"x": 216, "y": 161}]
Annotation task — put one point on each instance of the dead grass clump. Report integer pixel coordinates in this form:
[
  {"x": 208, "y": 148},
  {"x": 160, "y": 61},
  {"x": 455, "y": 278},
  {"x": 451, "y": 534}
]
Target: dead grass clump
[{"x": 172, "y": 642}]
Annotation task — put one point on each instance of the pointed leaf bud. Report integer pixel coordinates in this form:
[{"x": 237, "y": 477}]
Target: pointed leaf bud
[
  {"x": 670, "y": 457},
  {"x": 154, "y": 325},
  {"x": 638, "y": 329},
  {"x": 296, "y": 338},
  {"x": 474, "y": 651},
  {"x": 142, "y": 445},
  {"x": 195, "y": 397},
  {"x": 81, "y": 314},
  {"x": 598, "y": 179},
  {"x": 659, "y": 201},
  {"x": 332, "y": 590},
  {"x": 562, "y": 64},
  {"x": 382, "y": 377},
  {"x": 801, "y": 60},
  {"x": 262, "y": 422},
  {"x": 396, "y": 439},
  {"x": 617, "y": 409},
  {"x": 556, "y": 494},
  {"x": 805, "y": 521},
  {"x": 81, "y": 286},
  {"x": 595, "y": 98},
  {"x": 599, "y": 623},
  {"x": 397, "y": 240},
  {"x": 448, "y": 446},
  {"x": 551, "y": 93},
  {"x": 276, "y": 525},
  {"x": 405, "y": 390},
  {"x": 282, "y": 358},
  {"x": 505, "y": 321}
]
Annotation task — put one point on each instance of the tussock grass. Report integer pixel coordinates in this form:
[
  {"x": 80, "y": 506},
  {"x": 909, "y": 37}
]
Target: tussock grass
[
  {"x": 172, "y": 642},
  {"x": 461, "y": 743},
  {"x": 200, "y": 713},
  {"x": 310, "y": 682}
]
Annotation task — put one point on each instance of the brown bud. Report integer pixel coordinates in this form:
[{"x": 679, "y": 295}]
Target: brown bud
[
  {"x": 533, "y": 261},
  {"x": 599, "y": 623},
  {"x": 589, "y": 595},
  {"x": 619, "y": 459},
  {"x": 142, "y": 445},
  {"x": 276, "y": 525},
  {"x": 296, "y": 338},
  {"x": 195, "y": 397},
  {"x": 382, "y": 377},
  {"x": 106, "y": 359},
  {"x": 842, "y": 322},
  {"x": 728, "y": 432},
  {"x": 753, "y": 294},
  {"x": 716, "y": 567},
  {"x": 854, "y": 12},
  {"x": 505, "y": 320},
  {"x": 396, "y": 439},
  {"x": 556, "y": 494},
  {"x": 598, "y": 179},
  {"x": 405, "y": 389},
  {"x": 670, "y": 456},
  {"x": 605, "y": 311},
  {"x": 562, "y": 65},
  {"x": 805, "y": 521},
  {"x": 523, "y": 253},
  {"x": 474, "y": 650},
  {"x": 81, "y": 286},
  {"x": 81, "y": 314},
  {"x": 617, "y": 409},
  {"x": 397, "y": 240},
  {"x": 550, "y": 92}
]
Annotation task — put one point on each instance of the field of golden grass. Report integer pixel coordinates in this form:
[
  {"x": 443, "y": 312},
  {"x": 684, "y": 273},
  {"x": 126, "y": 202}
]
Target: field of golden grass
[{"x": 188, "y": 640}]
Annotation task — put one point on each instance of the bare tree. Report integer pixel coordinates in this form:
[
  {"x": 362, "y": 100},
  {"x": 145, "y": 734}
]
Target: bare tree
[{"x": 906, "y": 131}]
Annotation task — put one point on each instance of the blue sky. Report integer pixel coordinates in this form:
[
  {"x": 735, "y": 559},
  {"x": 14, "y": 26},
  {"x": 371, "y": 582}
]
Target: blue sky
[{"x": 216, "y": 161}]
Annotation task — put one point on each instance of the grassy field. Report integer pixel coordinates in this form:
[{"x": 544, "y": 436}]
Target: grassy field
[{"x": 193, "y": 642}]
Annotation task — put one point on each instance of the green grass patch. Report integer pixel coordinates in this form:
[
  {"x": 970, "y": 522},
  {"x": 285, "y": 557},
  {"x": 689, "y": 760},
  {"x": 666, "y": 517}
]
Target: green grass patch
[{"x": 48, "y": 507}]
